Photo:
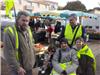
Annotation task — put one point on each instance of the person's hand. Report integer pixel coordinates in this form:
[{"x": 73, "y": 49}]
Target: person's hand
[
  {"x": 21, "y": 71},
  {"x": 64, "y": 73}
]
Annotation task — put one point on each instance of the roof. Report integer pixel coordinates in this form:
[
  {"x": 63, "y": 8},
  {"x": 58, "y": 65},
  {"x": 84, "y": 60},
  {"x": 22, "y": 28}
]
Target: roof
[
  {"x": 96, "y": 8},
  {"x": 46, "y": 2}
]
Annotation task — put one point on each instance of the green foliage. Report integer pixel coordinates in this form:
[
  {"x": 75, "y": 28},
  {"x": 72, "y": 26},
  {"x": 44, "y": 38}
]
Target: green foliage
[
  {"x": 60, "y": 8},
  {"x": 75, "y": 5}
]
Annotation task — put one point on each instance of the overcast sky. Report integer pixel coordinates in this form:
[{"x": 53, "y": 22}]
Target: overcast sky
[{"x": 90, "y": 4}]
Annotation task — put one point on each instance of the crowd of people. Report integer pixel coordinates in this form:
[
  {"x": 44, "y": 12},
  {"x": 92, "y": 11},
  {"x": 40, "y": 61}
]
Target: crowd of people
[
  {"x": 71, "y": 57},
  {"x": 42, "y": 29}
]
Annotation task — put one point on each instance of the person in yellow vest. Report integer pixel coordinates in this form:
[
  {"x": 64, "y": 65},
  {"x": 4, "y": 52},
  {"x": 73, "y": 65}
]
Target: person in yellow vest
[
  {"x": 87, "y": 62},
  {"x": 72, "y": 30},
  {"x": 18, "y": 46},
  {"x": 65, "y": 61}
]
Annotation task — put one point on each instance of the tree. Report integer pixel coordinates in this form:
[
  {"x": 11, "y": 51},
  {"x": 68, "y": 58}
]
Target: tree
[
  {"x": 75, "y": 5},
  {"x": 60, "y": 8}
]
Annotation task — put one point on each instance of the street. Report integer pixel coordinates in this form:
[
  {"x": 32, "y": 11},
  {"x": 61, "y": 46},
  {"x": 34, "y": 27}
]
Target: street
[{"x": 95, "y": 46}]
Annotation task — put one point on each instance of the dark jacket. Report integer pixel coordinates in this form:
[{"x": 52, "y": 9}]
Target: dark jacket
[
  {"x": 85, "y": 66},
  {"x": 57, "y": 27}
]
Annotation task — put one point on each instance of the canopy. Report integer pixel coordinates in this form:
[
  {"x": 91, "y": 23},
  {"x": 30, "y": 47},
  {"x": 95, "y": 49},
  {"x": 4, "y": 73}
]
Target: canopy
[{"x": 62, "y": 14}]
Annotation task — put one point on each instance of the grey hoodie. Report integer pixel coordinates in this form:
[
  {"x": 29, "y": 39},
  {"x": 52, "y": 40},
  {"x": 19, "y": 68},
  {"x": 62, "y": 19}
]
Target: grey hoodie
[{"x": 66, "y": 56}]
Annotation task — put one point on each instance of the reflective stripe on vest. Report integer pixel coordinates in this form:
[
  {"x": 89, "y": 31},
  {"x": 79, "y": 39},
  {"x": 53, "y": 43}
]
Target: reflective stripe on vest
[
  {"x": 64, "y": 67},
  {"x": 87, "y": 51},
  {"x": 69, "y": 34},
  {"x": 16, "y": 35},
  {"x": 14, "y": 32}
]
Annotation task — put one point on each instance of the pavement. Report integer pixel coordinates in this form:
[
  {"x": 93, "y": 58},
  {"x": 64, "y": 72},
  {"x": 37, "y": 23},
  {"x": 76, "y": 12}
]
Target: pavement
[
  {"x": 98, "y": 64},
  {"x": 95, "y": 46}
]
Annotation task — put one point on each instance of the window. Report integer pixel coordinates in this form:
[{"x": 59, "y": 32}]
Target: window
[
  {"x": 97, "y": 27},
  {"x": 90, "y": 26},
  {"x": 20, "y": 1},
  {"x": 35, "y": 4},
  {"x": 3, "y": 6}
]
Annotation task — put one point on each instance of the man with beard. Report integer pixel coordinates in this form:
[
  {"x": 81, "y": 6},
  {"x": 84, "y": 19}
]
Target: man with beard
[{"x": 18, "y": 49}]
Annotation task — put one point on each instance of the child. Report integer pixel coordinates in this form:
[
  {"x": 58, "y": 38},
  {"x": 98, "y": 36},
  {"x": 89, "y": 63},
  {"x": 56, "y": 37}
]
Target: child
[
  {"x": 86, "y": 58},
  {"x": 64, "y": 60}
]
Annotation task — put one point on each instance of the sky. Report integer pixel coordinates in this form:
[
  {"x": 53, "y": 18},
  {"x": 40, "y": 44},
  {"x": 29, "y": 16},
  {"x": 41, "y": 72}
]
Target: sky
[{"x": 90, "y": 4}]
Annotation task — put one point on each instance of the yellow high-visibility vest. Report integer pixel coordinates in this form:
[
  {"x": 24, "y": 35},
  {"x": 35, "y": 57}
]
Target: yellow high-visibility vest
[
  {"x": 69, "y": 34},
  {"x": 13, "y": 31},
  {"x": 64, "y": 67},
  {"x": 87, "y": 51}
]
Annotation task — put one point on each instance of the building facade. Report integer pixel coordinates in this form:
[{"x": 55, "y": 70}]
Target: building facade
[{"x": 33, "y": 5}]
